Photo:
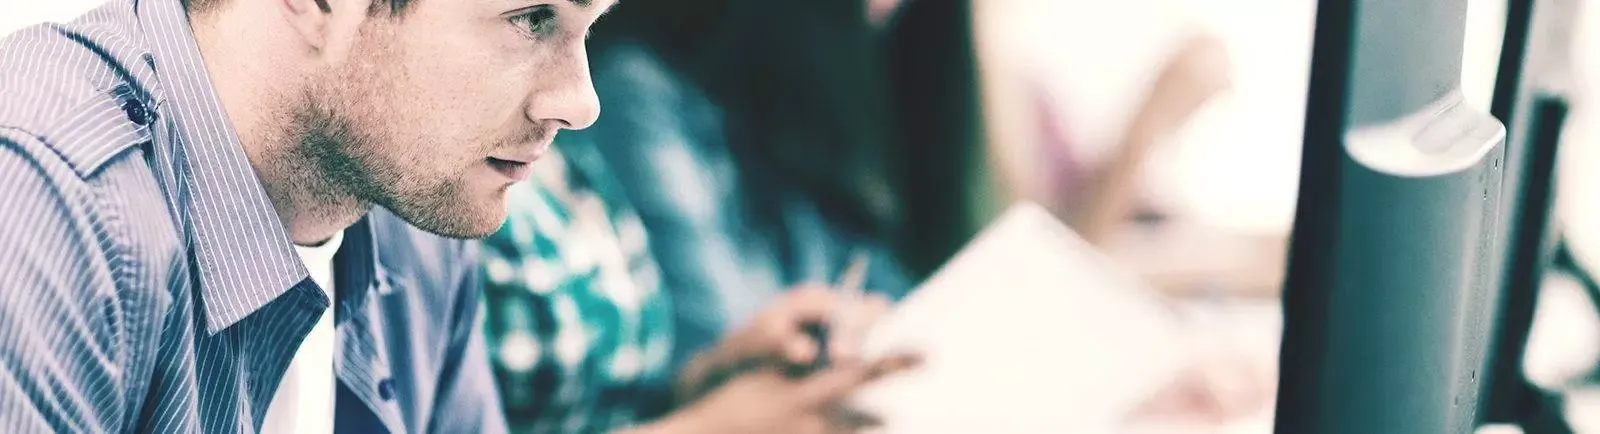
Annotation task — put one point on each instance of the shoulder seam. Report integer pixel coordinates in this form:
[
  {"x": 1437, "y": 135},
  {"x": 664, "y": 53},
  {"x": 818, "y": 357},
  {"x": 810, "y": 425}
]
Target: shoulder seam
[{"x": 118, "y": 259}]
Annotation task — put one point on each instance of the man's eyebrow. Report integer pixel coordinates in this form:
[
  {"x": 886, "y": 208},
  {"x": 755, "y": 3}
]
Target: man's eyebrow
[{"x": 582, "y": 4}]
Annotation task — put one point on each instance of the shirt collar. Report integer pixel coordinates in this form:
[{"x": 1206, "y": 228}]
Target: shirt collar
[
  {"x": 240, "y": 248},
  {"x": 356, "y": 269}
]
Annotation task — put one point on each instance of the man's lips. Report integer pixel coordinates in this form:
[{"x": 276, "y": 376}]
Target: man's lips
[
  {"x": 526, "y": 155},
  {"x": 518, "y": 166},
  {"x": 516, "y": 170}
]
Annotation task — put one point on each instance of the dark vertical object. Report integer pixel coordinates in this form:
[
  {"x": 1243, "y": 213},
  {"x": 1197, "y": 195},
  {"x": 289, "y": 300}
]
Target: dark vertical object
[
  {"x": 1565, "y": 262},
  {"x": 1389, "y": 297},
  {"x": 1513, "y": 50},
  {"x": 1528, "y": 97},
  {"x": 1508, "y": 392},
  {"x": 1511, "y": 398},
  {"x": 933, "y": 76}
]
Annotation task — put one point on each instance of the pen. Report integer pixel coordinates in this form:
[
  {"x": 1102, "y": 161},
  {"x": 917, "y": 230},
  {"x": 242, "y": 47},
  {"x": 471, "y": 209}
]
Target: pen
[{"x": 849, "y": 289}]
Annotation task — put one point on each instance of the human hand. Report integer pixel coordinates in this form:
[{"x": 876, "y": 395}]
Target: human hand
[
  {"x": 1193, "y": 75},
  {"x": 766, "y": 400},
  {"x": 778, "y": 338}
]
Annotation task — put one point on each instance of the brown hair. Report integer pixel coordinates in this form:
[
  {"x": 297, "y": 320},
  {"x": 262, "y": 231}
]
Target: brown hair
[
  {"x": 803, "y": 85},
  {"x": 196, "y": 7},
  {"x": 800, "y": 86}
]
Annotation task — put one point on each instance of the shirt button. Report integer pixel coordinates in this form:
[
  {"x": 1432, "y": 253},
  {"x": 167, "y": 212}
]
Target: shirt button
[
  {"x": 386, "y": 389},
  {"x": 136, "y": 111}
]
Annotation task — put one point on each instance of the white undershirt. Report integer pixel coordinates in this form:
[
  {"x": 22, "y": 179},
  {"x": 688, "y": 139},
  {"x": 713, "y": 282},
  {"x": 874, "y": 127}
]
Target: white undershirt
[{"x": 304, "y": 401}]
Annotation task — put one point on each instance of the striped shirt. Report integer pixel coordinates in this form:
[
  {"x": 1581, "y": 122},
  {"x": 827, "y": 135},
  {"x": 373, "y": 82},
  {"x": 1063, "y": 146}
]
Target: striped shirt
[{"x": 146, "y": 283}]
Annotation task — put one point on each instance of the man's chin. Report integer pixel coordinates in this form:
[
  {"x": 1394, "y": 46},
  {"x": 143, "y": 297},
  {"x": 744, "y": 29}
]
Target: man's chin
[
  {"x": 462, "y": 221},
  {"x": 475, "y": 227},
  {"x": 474, "y": 233}
]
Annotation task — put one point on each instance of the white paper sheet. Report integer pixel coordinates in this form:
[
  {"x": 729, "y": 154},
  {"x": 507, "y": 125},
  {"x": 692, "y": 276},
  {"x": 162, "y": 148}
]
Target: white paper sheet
[{"x": 1027, "y": 330}]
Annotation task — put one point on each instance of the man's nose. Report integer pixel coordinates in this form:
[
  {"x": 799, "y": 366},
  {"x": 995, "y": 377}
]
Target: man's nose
[{"x": 565, "y": 96}]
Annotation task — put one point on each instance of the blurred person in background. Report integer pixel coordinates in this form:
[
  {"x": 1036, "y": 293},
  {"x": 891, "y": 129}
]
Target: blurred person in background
[
  {"x": 590, "y": 320},
  {"x": 750, "y": 137},
  {"x": 1097, "y": 198},
  {"x": 1081, "y": 97},
  {"x": 580, "y": 328},
  {"x": 1169, "y": 70},
  {"x": 718, "y": 178}
]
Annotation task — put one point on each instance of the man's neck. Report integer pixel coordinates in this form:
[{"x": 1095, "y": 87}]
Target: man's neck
[{"x": 259, "y": 94}]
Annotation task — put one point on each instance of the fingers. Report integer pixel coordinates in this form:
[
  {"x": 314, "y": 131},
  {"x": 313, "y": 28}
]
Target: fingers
[
  {"x": 806, "y": 303},
  {"x": 843, "y": 379},
  {"x": 849, "y": 332},
  {"x": 799, "y": 349},
  {"x": 783, "y": 325},
  {"x": 812, "y": 425},
  {"x": 848, "y": 420}
]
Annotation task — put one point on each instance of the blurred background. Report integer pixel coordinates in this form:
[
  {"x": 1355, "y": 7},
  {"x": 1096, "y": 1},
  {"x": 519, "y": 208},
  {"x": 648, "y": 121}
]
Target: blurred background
[{"x": 1167, "y": 132}]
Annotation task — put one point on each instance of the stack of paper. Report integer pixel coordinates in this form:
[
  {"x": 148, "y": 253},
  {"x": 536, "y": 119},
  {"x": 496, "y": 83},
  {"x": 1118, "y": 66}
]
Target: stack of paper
[{"x": 1027, "y": 330}]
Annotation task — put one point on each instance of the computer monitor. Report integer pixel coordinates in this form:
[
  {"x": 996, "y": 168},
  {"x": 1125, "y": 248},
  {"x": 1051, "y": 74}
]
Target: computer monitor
[
  {"x": 1531, "y": 95},
  {"x": 1396, "y": 254}
]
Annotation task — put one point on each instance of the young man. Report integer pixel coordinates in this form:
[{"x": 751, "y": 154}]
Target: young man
[{"x": 238, "y": 215}]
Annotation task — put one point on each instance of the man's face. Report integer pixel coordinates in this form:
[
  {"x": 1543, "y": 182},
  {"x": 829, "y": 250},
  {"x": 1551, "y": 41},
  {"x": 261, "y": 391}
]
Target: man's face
[{"x": 435, "y": 112}]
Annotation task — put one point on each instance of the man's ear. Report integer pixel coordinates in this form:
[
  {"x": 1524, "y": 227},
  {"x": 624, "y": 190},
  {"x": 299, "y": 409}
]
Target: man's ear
[
  {"x": 309, "y": 18},
  {"x": 327, "y": 26}
]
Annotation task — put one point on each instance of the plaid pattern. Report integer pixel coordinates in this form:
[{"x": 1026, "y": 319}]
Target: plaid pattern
[{"x": 579, "y": 330}]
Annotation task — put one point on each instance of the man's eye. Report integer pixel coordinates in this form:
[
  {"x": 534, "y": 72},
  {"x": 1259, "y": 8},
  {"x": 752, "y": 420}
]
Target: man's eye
[{"x": 536, "y": 22}]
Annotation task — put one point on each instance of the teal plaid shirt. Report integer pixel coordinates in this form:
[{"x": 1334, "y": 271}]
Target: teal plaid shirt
[{"x": 579, "y": 330}]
